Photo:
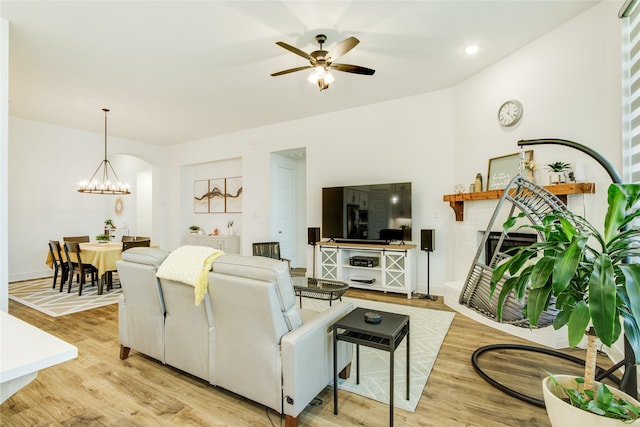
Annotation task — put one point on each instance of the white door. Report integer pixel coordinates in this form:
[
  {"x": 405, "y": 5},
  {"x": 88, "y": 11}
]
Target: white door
[{"x": 283, "y": 211}]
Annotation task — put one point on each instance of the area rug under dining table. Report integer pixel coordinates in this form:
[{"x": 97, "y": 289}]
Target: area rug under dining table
[
  {"x": 39, "y": 295},
  {"x": 428, "y": 330}
]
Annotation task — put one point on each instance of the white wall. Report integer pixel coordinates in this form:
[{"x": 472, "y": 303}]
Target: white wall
[
  {"x": 47, "y": 162},
  {"x": 137, "y": 173},
  {"x": 568, "y": 81},
  {"x": 144, "y": 205},
  {"x": 4, "y": 164},
  {"x": 405, "y": 140},
  {"x": 224, "y": 168}
]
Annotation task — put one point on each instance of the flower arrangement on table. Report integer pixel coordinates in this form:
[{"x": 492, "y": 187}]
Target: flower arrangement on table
[{"x": 102, "y": 238}]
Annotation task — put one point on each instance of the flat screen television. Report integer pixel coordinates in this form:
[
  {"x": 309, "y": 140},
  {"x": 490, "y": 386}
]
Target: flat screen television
[{"x": 377, "y": 212}]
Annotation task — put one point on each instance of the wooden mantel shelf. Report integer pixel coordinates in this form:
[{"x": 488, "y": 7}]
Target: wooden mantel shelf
[{"x": 456, "y": 201}]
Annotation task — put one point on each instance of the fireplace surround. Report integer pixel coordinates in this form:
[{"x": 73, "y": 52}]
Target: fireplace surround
[{"x": 511, "y": 240}]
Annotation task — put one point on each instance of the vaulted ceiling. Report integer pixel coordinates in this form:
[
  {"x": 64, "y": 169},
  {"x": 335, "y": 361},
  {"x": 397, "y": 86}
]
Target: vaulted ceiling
[{"x": 175, "y": 71}]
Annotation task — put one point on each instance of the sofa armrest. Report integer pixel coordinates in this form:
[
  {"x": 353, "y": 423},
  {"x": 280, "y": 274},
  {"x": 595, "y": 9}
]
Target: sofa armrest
[{"x": 307, "y": 358}]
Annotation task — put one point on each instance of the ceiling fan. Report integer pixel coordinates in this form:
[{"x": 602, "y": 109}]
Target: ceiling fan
[{"x": 322, "y": 61}]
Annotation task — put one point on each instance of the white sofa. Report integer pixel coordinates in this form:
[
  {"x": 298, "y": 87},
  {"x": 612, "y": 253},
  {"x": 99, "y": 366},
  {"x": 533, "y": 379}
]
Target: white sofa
[{"x": 248, "y": 334}]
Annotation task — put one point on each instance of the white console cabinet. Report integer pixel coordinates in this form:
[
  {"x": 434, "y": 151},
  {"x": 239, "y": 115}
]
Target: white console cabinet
[
  {"x": 395, "y": 270},
  {"x": 227, "y": 244}
]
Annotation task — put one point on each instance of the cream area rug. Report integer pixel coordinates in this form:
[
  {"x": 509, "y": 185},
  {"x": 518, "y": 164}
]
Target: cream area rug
[
  {"x": 39, "y": 295},
  {"x": 427, "y": 331}
]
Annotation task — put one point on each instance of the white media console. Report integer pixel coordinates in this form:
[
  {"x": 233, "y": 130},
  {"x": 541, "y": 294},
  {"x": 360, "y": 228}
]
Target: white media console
[{"x": 394, "y": 268}]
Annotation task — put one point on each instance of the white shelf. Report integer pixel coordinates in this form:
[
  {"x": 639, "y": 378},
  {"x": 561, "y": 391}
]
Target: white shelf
[
  {"x": 356, "y": 267},
  {"x": 227, "y": 244},
  {"x": 395, "y": 271},
  {"x": 25, "y": 350}
]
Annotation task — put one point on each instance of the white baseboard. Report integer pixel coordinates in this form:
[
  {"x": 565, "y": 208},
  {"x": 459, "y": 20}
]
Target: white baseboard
[{"x": 17, "y": 277}]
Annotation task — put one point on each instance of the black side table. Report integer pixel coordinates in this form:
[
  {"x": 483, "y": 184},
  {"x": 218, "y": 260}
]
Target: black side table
[{"x": 386, "y": 335}]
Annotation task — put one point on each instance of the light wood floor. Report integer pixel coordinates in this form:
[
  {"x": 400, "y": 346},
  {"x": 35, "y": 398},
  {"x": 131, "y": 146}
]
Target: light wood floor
[{"x": 99, "y": 389}]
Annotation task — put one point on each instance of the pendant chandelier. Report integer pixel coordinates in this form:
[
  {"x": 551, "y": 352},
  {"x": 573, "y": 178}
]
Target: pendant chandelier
[{"x": 105, "y": 179}]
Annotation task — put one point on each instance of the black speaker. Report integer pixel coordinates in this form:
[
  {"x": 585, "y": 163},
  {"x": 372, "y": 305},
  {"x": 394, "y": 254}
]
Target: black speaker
[
  {"x": 427, "y": 240},
  {"x": 313, "y": 234}
]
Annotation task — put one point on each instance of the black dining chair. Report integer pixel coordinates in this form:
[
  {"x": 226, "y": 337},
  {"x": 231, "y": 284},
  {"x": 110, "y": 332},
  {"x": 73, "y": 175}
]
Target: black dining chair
[
  {"x": 135, "y": 244},
  {"x": 134, "y": 238},
  {"x": 128, "y": 244},
  {"x": 78, "y": 268},
  {"x": 59, "y": 264},
  {"x": 79, "y": 239}
]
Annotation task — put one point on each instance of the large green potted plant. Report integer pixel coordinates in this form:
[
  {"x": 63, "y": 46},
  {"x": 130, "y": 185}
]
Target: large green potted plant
[{"x": 591, "y": 279}]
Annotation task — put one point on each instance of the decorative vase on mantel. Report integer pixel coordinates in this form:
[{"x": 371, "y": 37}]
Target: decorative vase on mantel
[
  {"x": 557, "y": 177},
  {"x": 477, "y": 185}
]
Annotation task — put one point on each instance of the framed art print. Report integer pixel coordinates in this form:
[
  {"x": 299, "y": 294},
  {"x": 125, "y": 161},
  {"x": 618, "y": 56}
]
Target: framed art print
[
  {"x": 233, "y": 194},
  {"x": 201, "y": 196},
  {"x": 504, "y": 168},
  {"x": 216, "y": 195}
]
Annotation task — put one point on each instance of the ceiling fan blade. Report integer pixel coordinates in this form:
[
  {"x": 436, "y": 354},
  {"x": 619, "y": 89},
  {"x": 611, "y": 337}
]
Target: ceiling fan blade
[
  {"x": 352, "y": 69},
  {"x": 291, "y": 70},
  {"x": 297, "y": 51},
  {"x": 343, "y": 47}
]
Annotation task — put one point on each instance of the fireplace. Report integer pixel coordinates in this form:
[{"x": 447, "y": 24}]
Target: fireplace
[{"x": 511, "y": 240}]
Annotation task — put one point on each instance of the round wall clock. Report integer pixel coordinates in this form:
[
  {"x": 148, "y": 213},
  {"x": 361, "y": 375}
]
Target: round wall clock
[{"x": 509, "y": 113}]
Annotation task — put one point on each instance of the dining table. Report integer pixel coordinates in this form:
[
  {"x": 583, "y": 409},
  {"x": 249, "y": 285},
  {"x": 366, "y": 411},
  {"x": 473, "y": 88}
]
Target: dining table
[{"x": 102, "y": 256}]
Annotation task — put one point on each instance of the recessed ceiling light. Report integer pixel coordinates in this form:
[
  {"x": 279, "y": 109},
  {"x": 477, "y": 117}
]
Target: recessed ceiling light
[{"x": 470, "y": 50}]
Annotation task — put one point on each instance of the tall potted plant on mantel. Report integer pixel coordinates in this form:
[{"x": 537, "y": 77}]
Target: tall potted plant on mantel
[{"x": 587, "y": 274}]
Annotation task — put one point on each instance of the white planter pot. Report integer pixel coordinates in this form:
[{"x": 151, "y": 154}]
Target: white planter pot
[
  {"x": 562, "y": 414},
  {"x": 556, "y": 178}
]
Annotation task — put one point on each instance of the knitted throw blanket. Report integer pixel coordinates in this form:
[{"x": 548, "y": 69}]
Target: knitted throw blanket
[{"x": 190, "y": 265}]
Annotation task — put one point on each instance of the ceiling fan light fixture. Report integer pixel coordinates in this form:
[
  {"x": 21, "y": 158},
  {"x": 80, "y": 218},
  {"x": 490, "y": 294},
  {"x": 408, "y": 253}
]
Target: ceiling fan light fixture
[
  {"x": 320, "y": 61},
  {"x": 316, "y": 74},
  {"x": 321, "y": 76},
  {"x": 100, "y": 182},
  {"x": 328, "y": 77}
]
